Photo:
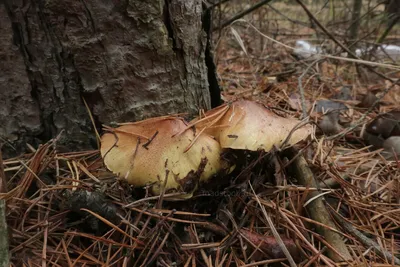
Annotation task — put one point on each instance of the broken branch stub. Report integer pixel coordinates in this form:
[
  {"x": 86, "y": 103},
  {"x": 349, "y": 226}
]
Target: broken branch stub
[
  {"x": 245, "y": 124},
  {"x": 153, "y": 152}
]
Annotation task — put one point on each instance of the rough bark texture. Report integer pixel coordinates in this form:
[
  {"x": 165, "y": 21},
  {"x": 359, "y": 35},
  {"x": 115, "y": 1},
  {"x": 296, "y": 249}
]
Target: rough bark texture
[
  {"x": 129, "y": 59},
  {"x": 355, "y": 22},
  {"x": 4, "y": 252}
]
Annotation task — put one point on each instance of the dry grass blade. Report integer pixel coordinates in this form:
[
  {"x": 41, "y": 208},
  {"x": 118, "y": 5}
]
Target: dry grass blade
[
  {"x": 37, "y": 164},
  {"x": 238, "y": 39},
  {"x": 66, "y": 253},
  {"x": 102, "y": 239},
  {"x": 92, "y": 121}
]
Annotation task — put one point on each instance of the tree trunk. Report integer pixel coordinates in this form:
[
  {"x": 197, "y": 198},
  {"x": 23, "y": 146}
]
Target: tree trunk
[
  {"x": 355, "y": 23},
  {"x": 129, "y": 60},
  {"x": 392, "y": 12}
]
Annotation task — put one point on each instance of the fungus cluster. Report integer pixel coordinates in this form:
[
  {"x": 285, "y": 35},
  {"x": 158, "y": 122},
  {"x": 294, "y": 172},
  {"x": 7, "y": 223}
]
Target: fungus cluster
[
  {"x": 248, "y": 125},
  {"x": 169, "y": 154}
]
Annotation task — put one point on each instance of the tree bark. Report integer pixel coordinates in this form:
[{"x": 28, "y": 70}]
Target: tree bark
[
  {"x": 355, "y": 22},
  {"x": 129, "y": 60}
]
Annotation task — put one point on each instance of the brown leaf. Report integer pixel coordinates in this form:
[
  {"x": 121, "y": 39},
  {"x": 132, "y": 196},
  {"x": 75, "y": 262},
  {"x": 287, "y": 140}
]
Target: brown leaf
[
  {"x": 294, "y": 102},
  {"x": 270, "y": 246}
]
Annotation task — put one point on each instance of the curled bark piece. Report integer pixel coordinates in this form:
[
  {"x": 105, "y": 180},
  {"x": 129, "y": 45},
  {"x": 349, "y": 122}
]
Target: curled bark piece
[{"x": 318, "y": 212}]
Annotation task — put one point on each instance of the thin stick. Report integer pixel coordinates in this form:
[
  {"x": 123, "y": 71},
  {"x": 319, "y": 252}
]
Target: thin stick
[
  {"x": 242, "y": 14},
  {"x": 319, "y": 213},
  {"x": 301, "y": 89},
  {"x": 363, "y": 239},
  {"x": 218, "y": 3},
  {"x": 359, "y": 61},
  {"x": 336, "y": 41}
]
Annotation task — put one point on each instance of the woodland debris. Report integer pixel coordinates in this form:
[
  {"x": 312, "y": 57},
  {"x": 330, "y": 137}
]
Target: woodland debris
[
  {"x": 95, "y": 201},
  {"x": 270, "y": 246},
  {"x": 294, "y": 102},
  {"x": 318, "y": 212},
  {"x": 364, "y": 239},
  {"x": 381, "y": 52}
]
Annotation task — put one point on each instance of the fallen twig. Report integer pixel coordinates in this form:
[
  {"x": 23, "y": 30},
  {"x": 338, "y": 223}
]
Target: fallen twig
[
  {"x": 319, "y": 213},
  {"x": 369, "y": 243},
  {"x": 330, "y": 35},
  {"x": 242, "y": 14}
]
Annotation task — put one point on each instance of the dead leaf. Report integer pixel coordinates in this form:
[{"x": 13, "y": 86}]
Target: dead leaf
[
  {"x": 294, "y": 102},
  {"x": 238, "y": 39},
  {"x": 270, "y": 246}
]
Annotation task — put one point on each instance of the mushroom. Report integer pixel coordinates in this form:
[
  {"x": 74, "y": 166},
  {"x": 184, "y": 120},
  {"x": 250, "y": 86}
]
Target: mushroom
[
  {"x": 245, "y": 124},
  {"x": 154, "y": 152}
]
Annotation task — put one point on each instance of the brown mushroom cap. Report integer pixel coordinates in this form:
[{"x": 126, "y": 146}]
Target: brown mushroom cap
[
  {"x": 126, "y": 154},
  {"x": 245, "y": 124}
]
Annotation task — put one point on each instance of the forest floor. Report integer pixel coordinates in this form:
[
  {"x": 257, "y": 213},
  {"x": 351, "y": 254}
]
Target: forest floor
[{"x": 332, "y": 200}]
